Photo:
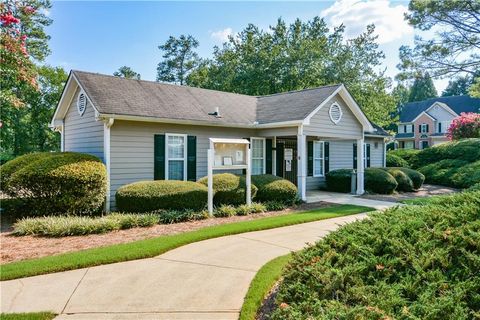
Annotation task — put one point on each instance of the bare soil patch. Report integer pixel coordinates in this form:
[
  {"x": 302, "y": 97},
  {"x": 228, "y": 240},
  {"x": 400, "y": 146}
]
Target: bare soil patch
[
  {"x": 427, "y": 190},
  {"x": 15, "y": 248}
]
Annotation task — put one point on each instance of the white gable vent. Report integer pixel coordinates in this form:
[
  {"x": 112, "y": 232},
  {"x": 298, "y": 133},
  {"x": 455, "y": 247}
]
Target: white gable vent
[
  {"x": 335, "y": 113},
  {"x": 81, "y": 103}
]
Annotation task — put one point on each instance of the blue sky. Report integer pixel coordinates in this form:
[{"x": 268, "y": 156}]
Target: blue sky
[{"x": 102, "y": 36}]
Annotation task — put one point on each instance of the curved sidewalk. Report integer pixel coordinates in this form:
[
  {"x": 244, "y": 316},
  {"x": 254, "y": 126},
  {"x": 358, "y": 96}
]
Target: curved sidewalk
[{"x": 202, "y": 280}]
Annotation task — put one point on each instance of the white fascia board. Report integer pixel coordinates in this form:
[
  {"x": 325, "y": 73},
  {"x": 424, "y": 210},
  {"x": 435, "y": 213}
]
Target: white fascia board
[
  {"x": 444, "y": 106},
  {"x": 306, "y": 121},
  {"x": 422, "y": 113},
  {"x": 60, "y": 102}
]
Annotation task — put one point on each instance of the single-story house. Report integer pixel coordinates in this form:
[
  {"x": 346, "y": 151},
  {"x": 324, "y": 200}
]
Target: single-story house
[
  {"x": 144, "y": 130},
  {"x": 425, "y": 123}
]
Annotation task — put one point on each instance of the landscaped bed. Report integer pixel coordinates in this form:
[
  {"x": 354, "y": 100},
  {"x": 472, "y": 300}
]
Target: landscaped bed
[{"x": 19, "y": 248}]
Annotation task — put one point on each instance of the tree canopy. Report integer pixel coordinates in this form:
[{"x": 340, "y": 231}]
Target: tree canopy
[
  {"x": 458, "y": 86},
  {"x": 179, "y": 59},
  {"x": 126, "y": 72},
  {"x": 455, "y": 46},
  {"x": 422, "y": 88},
  {"x": 299, "y": 56}
]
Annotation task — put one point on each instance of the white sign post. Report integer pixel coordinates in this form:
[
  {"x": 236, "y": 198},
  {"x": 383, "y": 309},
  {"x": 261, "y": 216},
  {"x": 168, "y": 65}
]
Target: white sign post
[{"x": 228, "y": 154}]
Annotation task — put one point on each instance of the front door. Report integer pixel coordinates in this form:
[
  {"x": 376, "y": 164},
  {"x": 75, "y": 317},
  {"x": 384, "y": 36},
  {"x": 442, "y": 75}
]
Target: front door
[
  {"x": 424, "y": 144},
  {"x": 287, "y": 159}
]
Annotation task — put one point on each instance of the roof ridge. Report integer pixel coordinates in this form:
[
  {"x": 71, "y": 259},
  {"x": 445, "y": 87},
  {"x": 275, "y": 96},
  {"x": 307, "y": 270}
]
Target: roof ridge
[
  {"x": 300, "y": 90},
  {"x": 162, "y": 83}
]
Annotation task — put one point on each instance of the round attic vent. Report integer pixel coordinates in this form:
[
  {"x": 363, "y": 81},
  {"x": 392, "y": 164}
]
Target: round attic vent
[
  {"x": 81, "y": 103},
  {"x": 335, "y": 113}
]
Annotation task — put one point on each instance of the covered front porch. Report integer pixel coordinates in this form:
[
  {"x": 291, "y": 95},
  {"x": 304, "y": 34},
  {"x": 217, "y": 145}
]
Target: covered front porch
[{"x": 305, "y": 159}]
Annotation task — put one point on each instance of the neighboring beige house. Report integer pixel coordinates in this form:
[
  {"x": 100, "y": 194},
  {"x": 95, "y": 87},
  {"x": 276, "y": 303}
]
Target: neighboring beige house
[
  {"x": 425, "y": 123},
  {"x": 145, "y": 130}
]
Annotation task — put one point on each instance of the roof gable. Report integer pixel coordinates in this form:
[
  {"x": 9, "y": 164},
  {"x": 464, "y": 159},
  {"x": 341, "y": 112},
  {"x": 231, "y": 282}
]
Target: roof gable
[{"x": 457, "y": 104}]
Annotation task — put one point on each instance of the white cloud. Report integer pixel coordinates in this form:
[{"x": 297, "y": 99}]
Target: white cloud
[
  {"x": 221, "y": 35},
  {"x": 357, "y": 14}
]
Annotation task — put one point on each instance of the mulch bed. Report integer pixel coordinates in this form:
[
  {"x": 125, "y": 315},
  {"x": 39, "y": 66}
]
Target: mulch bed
[{"x": 15, "y": 248}]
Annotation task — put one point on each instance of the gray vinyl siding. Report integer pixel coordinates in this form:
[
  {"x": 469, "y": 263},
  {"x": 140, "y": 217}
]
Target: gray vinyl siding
[
  {"x": 376, "y": 154},
  {"x": 132, "y": 149},
  {"x": 83, "y": 133},
  {"x": 320, "y": 124}
]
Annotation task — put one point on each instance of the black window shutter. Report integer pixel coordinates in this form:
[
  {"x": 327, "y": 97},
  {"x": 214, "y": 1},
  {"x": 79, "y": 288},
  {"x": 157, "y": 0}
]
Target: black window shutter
[
  {"x": 368, "y": 155},
  {"x": 420, "y": 128},
  {"x": 413, "y": 128},
  {"x": 327, "y": 156},
  {"x": 159, "y": 157},
  {"x": 428, "y": 128},
  {"x": 268, "y": 156},
  {"x": 310, "y": 158},
  {"x": 192, "y": 158},
  {"x": 354, "y": 156},
  {"x": 439, "y": 127},
  {"x": 280, "y": 158},
  {"x": 405, "y": 129}
]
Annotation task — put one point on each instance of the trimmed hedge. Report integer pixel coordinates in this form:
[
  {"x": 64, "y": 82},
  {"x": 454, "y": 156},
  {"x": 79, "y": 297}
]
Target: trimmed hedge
[
  {"x": 339, "y": 180},
  {"x": 409, "y": 155},
  {"x": 442, "y": 172},
  {"x": 466, "y": 150},
  {"x": 230, "y": 189},
  {"x": 56, "y": 183},
  {"x": 379, "y": 181},
  {"x": 145, "y": 196},
  {"x": 411, "y": 262},
  {"x": 273, "y": 188},
  {"x": 404, "y": 182},
  {"x": 416, "y": 177},
  {"x": 396, "y": 161}
]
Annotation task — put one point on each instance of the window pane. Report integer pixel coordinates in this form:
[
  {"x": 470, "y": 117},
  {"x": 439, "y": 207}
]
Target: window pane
[
  {"x": 257, "y": 166},
  {"x": 317, "y": 167},
  {"x": 317, "y": 150},
  {"x": 176, "y": 146},
  {"x": 257, "y": 148},
  {"x": 175, "y": 170}
]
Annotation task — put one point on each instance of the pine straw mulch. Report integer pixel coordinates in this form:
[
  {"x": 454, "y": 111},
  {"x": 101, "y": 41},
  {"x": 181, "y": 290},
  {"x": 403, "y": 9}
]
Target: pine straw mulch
[{"x": 15, "y": 248}]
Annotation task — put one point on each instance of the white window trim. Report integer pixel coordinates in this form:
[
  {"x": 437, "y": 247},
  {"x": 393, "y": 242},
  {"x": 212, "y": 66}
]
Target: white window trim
[
  {"x": 315, "y": 144},
  {"x": 264, "y": 156},
  {"x": 184, "y": 159},
  {"x": 422, "y": 126}
]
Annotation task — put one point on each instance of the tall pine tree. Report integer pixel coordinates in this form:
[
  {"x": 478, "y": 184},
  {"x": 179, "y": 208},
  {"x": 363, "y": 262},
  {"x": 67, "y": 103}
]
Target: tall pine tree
[{"x": 423, "y": 88}]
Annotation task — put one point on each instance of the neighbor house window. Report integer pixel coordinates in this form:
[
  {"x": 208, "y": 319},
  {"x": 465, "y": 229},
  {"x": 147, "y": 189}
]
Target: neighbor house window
[
  {"x": 409, "y": 144},
  {"x": 258, "y": 155},
  {"x": 424, "y": 128},
  {"x": 176, "y": 154},
  {"x": 318, "y": 158}
]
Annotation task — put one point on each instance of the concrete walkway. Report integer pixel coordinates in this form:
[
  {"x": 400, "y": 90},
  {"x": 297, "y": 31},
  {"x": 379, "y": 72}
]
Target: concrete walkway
[
  {"x": 203, "y": 280},
  {"x": 345, "y": 198}
]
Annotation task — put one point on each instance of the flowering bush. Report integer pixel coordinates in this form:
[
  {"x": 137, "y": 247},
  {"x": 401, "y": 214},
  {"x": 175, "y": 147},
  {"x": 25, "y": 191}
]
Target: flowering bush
[{"x": 467, "y": 125}]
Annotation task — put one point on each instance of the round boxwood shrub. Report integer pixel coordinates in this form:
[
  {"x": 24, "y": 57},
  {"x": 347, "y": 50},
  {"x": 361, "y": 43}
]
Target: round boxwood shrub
[
  {"x": 395, "y": 161},
  {"x": 416, "y": 177},
  {"x": 403, "y": 180},
  {"x": 273, "y": 188},
  {"x": 230, "y": 189},
  {"x": 339, "y": 180},
  {"x": 65, "y": 182},
  {"x": 379, "y": 181},
  {"x": 145, "y": 196}
]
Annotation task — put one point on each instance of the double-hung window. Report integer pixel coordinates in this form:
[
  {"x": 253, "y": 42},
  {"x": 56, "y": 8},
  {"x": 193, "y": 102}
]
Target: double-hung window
[
  {"x": 176, "y": 153},
  {"x": 318, "y": 158},
  {"x": 424, "y": 128},
  {"x": 258, "y": 155}
]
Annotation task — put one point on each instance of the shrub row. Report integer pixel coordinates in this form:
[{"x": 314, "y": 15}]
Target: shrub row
[
  {"x": 229, "y": 189},
  {"x": 378, "y": 180},
  {"x": 394, "y": 160},
  {"x": 412, "y": 262},
  {"x": 452, "y": 172},
  {"x": 55, "y": 183}
]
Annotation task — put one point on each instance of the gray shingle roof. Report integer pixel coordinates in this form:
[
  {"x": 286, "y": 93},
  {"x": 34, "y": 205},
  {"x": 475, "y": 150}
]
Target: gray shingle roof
[
  {"x": 457, "y": 103},
  {"x": 120, "y": 96}
]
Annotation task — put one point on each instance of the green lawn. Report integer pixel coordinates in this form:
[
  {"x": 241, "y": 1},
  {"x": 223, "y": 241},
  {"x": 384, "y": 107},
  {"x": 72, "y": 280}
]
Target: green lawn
[
  {"x": 28, "y": 316},
  {"x": 261, "y": 285},
  {"x": 155, "y": 246}
]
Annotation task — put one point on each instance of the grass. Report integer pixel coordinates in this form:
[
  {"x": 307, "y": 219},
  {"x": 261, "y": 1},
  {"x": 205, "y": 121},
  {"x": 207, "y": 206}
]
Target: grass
[
  {"x": 261, "y": 285},
  {"x": 155, "y": 246},
  {"x": 28, "y": 316}
]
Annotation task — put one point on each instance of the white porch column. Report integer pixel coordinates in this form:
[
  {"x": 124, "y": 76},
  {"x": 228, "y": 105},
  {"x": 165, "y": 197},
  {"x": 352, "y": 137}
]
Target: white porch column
[
  {"x": 302, "y": 164},
  {"x": 360, "y": 167},
  {"x": 106, "y": 157}
]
